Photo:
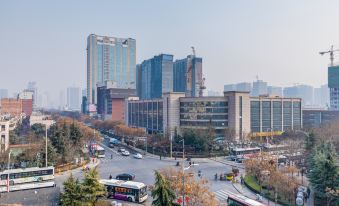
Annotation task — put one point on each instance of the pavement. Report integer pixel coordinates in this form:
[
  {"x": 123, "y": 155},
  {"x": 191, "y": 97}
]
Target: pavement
[{"x": 143, "y": 170}]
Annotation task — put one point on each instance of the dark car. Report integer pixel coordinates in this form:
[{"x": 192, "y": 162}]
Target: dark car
[{"x": 125, "y": 176}]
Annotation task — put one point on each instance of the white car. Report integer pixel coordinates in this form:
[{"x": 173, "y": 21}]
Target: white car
[
  {"x": 137, "y": 156},
  {"x": 125, "y": 153}
]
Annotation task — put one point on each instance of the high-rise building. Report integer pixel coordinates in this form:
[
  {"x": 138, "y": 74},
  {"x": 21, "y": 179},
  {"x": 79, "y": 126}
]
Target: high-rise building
[
  {"x": 73, "y": 98},
  {"x": 305, "y": 92},
  {"x": 110, "y": 58},
  {"x": 31, "y": 86},
  {"x": 3, "y": 93},
  {"x": 241, "y": 87},
  {"x": 155, "y": 76},
  {"x": 321, "y": 97},
  {"x": 187, "y": 76},
  {"x": 259, "y": 88},
  {"x": 333, "y": 85},
  {"x": 275, "y": 91}
]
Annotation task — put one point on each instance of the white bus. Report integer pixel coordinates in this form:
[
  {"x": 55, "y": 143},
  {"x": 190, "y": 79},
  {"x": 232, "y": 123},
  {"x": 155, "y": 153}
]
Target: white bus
[
  {"x": 28, "y": 178},
  {"x": 238, "y": 199},
  {"x": 244, "y": 152},
  {"x": 126, "y": 190},
  {"x": 97, "y": 150}
]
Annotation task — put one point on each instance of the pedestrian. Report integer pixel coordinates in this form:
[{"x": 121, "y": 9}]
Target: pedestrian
[
  {"x": 160, "y": 157},
  {"x": 111, "y": 156},
  {"x": 110, "y": 176}
]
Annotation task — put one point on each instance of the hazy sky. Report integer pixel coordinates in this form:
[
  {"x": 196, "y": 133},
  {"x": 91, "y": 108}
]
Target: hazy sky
[{"x": 277, "y": 40}]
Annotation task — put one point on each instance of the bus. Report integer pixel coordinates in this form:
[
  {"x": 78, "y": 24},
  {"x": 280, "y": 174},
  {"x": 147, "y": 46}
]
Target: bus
[
  {"x": 244, "y": 152},
  {"x": 240, "y": 200},
  {"x": 27, "y": 178},
  {"x": 126, "y": 190},
  {"x": 97, "y": 150}
]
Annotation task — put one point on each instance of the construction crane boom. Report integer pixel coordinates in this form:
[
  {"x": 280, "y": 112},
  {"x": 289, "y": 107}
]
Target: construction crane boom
[{"x": 331, "y": 52}]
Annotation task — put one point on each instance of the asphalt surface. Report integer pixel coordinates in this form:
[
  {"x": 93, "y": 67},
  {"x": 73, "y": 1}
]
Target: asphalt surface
[{"x": 143, "y": 170}]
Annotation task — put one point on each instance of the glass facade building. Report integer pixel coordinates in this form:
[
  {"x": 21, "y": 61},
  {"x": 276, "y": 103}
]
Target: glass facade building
[
  {"x": 155, "y": 76},
  {"x": 204, "y": 113},
  {"x": 275, "y": 114},
  {"x": 147, "y": 114},
  {"x": 187, "y": 76},
  {"x": 110, "y": 58},
  {"x": 333, "y": 84}
]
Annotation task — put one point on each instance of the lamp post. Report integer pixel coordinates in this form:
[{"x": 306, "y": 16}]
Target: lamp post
[
  {"x": 183, "y": 171},
  {"x": 9, "y": 161},
  {"x": 46, "y": 146}
]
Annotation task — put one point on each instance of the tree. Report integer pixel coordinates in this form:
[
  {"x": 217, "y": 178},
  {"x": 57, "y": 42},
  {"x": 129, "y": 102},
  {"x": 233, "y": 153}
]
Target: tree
[
  {"x": 91, "y": 188},
  {"x": 324, "y": 174},
  {"x": 162, "y": 194},
  {"x": 72, "y": 195},
  {"x": 39, "y": 129},
  {"x": 197, "y": 191}
]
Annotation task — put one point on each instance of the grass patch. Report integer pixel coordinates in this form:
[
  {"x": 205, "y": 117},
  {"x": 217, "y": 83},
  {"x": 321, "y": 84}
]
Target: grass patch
[{"x": 252, "y": 182}]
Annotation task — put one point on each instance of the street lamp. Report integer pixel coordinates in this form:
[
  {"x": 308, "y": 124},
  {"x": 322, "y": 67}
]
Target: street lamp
[
  {"x": 183, "y": 171},
  {"x": 9, "y": 160}
]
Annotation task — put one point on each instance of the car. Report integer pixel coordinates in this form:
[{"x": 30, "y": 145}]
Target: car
[
  {"x": 121, "y": 150},
  {"x": 125, "y": 153},
  {"x": 125, "y": 176},
  {"x": 137, "y": 156},
  {"x": 111, "y": 145}
]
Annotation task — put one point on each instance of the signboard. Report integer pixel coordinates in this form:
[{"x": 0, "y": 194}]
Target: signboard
[{"x": 266, "y": 134}]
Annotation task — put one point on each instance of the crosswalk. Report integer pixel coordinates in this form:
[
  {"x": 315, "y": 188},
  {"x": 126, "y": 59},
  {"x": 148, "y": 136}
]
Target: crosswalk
[{"x": 221, "y": 195}]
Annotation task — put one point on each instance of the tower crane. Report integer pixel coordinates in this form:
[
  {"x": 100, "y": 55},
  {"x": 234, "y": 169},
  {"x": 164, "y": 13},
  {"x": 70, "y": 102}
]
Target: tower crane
[{"x": 331, "y": 52}]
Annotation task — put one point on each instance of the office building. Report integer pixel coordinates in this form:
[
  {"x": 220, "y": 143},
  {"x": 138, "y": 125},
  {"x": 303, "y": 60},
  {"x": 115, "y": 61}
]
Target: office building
[
  {"x": 111, "y": 101},
  {"x": 147, "y": 114},
  {"x": 275, "y": 114},
  {"x": 175, "y": 112},
  {"x": 259, "y": 88},
  {"x": 333, "y": 85},
  {"x": 275, "y": 91},
  {"x": 187, "y": 76},
  {"x": 313, "y": 118},
  {"x": 321, "y": 97},
  {"x": 73, "y": 98},
  {"x": 155, "y": 76},
  {"x": 110, "y": 58}
]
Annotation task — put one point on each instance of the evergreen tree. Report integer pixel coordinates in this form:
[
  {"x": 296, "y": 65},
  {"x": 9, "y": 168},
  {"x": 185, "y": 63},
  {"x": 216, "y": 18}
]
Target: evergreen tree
[
  {"x": 72, "y": 195},
  {"x": 74, "y": 133},
  {"x": 324, "y": 173},
  {"x": 162, "y": 194},
  {"x": 91, "y": 188}
]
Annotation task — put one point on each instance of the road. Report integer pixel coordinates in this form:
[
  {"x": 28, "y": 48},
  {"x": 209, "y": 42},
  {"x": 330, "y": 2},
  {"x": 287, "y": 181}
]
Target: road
[{"x": 143, "y": 170}]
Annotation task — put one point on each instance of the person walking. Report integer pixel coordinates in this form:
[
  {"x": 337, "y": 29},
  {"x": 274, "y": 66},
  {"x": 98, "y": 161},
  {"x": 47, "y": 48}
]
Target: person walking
[{"x": 110, "y": 176}]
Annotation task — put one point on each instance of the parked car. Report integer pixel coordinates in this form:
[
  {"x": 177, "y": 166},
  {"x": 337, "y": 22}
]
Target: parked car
[
  {"x": 125, "y": 153},
  {"x": 125, "y": 176},
  {"x": 121, "y": 150},
  {"x": 137, "y": 156}
]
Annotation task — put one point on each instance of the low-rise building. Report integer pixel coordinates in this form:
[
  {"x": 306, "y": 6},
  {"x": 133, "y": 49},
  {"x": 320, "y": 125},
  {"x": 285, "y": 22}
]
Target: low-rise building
[
  {"x": 4, "y": 134},
  {"x": 317, "y": 117},
  {"x": 235, "y": 111},
  {"x": 38, "y": 118}
]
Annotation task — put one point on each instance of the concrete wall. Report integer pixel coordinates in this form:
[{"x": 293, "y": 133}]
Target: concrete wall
[{"x": 171, "y": 112}]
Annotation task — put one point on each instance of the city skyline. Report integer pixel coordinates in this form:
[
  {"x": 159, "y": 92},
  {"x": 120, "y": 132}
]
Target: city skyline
[{"x": 246, "y": 44}]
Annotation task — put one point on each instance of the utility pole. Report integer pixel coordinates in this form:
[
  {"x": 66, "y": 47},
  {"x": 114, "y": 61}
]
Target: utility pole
[
  {"x": 46, "y": 145},
  {"x": 171, "y": 140},
  {"x": 183, "y": 172}
]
